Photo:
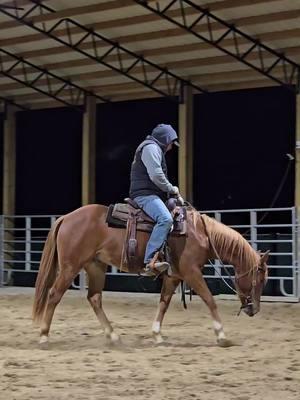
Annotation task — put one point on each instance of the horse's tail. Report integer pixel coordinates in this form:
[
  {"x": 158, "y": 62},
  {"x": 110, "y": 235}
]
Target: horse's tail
[{"x": 47, "y": 273}]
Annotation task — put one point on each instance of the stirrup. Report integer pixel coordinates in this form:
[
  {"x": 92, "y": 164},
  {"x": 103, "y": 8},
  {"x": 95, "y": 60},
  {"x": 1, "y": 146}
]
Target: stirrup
[{"x": 155, "y": 269}]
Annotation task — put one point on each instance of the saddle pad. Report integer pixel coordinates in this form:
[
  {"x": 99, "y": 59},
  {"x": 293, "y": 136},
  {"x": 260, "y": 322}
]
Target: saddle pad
[{"x": 117, "y": 217}]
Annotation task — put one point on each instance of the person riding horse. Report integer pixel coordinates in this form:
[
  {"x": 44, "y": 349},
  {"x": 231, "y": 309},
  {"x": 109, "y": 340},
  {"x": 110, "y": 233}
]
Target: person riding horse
[{"x": 150, "y": 188}]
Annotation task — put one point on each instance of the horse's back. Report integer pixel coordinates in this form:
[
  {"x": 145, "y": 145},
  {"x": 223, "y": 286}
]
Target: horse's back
[
  {"x": 88, "y": 211},
  {"x": 82, "y": 230}
]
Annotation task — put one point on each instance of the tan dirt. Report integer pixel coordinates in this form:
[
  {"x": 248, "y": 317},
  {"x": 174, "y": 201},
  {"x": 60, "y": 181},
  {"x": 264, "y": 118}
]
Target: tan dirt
[{"x": 264, "y": 364}]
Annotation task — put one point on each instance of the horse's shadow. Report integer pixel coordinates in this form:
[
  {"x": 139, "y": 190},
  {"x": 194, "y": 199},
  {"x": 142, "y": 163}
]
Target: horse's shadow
[{"x": 126, "y": 344}]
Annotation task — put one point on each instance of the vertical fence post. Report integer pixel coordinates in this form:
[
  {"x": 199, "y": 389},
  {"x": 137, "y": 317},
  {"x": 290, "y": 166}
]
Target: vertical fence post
[
  {"x": 27, "y": 244},
  {"x": 82, "y": 280},
  {"x": 253, "y": 229},
  {"x": 218, "y": 269},
  {"x": 114, "y": 270}
]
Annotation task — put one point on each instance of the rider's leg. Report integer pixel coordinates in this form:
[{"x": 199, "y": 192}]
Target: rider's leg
[{"x": 156, "y": 209}]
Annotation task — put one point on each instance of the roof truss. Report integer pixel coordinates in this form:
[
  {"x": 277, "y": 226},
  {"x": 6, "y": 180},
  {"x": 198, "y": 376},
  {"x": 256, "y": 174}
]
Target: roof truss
[{"x": 267, "y": 58}]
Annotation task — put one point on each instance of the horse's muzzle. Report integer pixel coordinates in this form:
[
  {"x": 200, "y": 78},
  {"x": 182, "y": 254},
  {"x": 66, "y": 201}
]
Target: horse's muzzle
[{"x": 249, "y": 310}]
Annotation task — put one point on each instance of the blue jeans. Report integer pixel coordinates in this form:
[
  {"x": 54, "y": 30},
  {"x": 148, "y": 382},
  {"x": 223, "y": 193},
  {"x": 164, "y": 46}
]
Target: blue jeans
[{"x": 154, "y": 207}]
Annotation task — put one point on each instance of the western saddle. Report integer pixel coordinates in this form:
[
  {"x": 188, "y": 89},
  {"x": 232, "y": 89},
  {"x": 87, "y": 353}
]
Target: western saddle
[{"x": 132, "y": 218}]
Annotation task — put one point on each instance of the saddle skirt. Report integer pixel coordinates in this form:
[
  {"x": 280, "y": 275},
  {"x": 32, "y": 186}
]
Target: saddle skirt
[
  {"x": 133, "y": 219},
  {"x": 118, "y": 215}
]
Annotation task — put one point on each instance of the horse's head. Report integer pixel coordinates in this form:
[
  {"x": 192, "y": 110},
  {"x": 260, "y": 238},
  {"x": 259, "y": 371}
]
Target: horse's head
[{"x": 250, "y": 286}]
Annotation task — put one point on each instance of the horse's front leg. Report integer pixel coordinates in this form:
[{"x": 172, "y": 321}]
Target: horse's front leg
[
  {"x": 168, "y": 288},
  {"x": 194, "y": 279}
]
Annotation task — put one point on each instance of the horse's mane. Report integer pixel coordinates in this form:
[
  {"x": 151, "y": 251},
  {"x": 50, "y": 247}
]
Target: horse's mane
[{"x": 227, "y": 241}]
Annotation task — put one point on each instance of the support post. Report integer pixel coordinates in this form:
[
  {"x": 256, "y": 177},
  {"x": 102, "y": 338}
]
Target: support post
[
  {"x": 185, "y": 161},
  {"x": 9, "y": 185},
  {"x": 9, "y": 162},
  {"x": 89, "y": 152}
]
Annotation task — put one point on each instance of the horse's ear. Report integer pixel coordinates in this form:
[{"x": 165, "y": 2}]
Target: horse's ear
[{"x": 264, "y": 257}]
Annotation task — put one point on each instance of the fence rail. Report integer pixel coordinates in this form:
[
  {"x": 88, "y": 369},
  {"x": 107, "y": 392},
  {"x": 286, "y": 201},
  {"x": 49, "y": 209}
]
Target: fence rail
[{"x": 22, "y": 239}]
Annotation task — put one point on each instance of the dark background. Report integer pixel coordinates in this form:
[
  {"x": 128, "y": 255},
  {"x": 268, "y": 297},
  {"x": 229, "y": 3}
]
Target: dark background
[{"x": 240, "y": 143}]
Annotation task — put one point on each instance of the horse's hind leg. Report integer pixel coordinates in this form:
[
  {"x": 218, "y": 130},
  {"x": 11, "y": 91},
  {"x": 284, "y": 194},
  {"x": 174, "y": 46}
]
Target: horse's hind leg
[
  {"x": 96, "y": 277},
  {"x": 167, "y": 291},
  {"x": 195, "y": 280},
  {"x": 63, "y": 281}
]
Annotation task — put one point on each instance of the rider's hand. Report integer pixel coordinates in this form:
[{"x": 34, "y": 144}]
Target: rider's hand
[
  {"x": 180, "y": 200},
  {"x": 175, "y": 191}
]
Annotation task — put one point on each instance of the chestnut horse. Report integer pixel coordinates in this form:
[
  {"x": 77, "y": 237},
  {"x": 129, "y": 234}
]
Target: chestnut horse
[{"x": 82, "y": 239}]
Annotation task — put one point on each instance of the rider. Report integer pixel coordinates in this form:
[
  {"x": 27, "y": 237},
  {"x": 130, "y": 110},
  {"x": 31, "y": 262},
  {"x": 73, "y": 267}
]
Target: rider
[{"x": 150, "y": 188}]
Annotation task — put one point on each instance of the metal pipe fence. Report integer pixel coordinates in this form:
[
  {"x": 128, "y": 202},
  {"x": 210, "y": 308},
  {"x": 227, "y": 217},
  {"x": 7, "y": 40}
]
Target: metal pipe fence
[{"x": 22, "y": 239}]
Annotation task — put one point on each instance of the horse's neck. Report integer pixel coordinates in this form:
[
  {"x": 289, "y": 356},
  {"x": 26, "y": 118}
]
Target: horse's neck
[
  {"x": 230, "y": 255},
  {"x": 228, "y": 245}
]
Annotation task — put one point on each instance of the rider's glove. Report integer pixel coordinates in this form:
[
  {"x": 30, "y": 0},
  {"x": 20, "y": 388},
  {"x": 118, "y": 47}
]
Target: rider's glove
[
  {"x": 174, "y": 191},
  {"x": 180, "y": 201}
]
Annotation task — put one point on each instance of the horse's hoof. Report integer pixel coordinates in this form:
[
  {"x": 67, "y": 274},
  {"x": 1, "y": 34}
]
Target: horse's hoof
[
  {"x": 158, "y": 338},
  {"x": 113, "y": 339},
  {"x": 224, "y": 343},
  {"x": 44, "y": 343}
]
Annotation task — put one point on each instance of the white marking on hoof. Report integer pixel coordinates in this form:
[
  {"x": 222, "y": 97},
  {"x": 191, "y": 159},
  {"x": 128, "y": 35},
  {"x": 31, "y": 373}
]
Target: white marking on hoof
[
  {"x": 217, "y": 325},
  {"x": 114, "y": 337},
  {"x": 44, "y": 342},
  {"x": 219, "y": 330},
  {"x": 43, "y": 339},
  {"x": 221, "y": 335},
  {"x": 156, "y": 327},
  {"x": 158, "y": 338}
]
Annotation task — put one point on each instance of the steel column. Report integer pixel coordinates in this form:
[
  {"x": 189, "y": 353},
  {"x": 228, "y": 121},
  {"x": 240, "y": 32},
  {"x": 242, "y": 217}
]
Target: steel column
[
  {"x": 88, "y": 194},
  {"x": 9, "y": 161},
  {"x": 186, "y": 150}
]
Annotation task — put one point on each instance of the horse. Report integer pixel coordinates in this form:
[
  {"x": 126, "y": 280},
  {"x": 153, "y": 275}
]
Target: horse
[{"x": 83, "y": 240}]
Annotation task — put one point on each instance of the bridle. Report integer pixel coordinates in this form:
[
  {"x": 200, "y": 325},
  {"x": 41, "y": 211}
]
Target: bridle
[
  {"x": 248, "y": 299},
  {"x": 237, "y": 290}
]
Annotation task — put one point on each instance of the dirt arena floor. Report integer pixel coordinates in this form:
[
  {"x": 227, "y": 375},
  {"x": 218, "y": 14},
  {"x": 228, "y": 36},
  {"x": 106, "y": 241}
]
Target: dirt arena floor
[{"x": 264, "y": 364}]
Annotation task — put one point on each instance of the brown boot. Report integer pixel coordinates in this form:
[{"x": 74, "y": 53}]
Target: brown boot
[{"x": 154, "y": 269}]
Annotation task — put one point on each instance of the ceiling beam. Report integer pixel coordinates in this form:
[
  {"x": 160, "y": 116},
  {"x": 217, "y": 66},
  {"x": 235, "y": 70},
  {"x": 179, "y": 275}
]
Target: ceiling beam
[
  {"x": 207, "y": 80},
  {"x": 96, "y": 40},
  {"x": 181, "y": 64},
  {"x": 282, "y": 16},
  {"x": 142, "y": 94},
  {"x": 54, "y": 51},
  {"x": 118, "y": 5},
  {"x": 289, "y": 80},
  {"x": 83, "y": 62},
  {"x": 62, "y": 86},
  {"x": 210, "y": 80},
  {"x": 12, "y": 102}
]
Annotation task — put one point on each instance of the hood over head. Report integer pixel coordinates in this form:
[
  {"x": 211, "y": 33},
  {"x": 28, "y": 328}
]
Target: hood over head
[{"x": 165, "y": 134}]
